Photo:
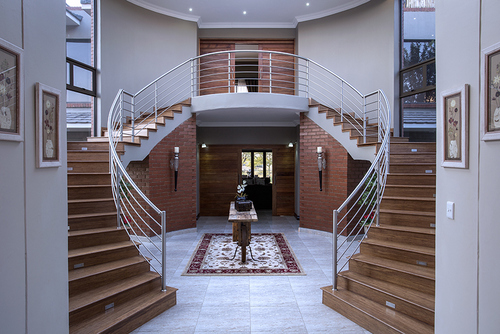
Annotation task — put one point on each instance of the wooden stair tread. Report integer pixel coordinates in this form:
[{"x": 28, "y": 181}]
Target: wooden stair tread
[
  {"x": 88, "y": 161},
  {"x": 411, "y": 174},
  {"x": 89, "y": 173},
  {"x": 423, "y": 199},
  {"x": 80, "y": 273},
  {"x": 422, "y": 230},
  {"x": 396, "y": 321},
  {"x": 410, "y": 185},
  {"x": 106, "y": 291},
  {"x": 425, "y": 272},
  {"x": 92, "y": 215},
  {"x": 79, "y": 186},
  {"x": 87, "y": 200},
  {"x": 93, "y": 231},
  {"x": 99, "y": 248},
  {"x": 405, "y": 212},
  {"x": 117, "y": 320},
  {"x": 409, "y": 295},
  {"x": 400, "y": 246}
]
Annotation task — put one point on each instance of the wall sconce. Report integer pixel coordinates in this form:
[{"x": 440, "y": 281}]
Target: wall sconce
[
  {"x": 321, "y": 166},
  {"x": 290, "y": 144},
  {"x": 203, "y": 145},
  {"x": 174, "y": 164}
]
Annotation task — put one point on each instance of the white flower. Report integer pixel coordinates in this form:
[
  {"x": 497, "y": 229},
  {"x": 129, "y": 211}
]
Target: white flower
[
  {"x": 5, "y": 118},
  {"x": 496, "y": 118},
  {"x": 453, "y": 103},
  {"x": 3, "y": 89},
  {"x": 48, "y": 104},
  {"x": 496, "y": 80},
  {"x": 49, "y": 149}
]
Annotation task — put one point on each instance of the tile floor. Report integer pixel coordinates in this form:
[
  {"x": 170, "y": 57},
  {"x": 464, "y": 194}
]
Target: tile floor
[{"x": 251, "y": 304}]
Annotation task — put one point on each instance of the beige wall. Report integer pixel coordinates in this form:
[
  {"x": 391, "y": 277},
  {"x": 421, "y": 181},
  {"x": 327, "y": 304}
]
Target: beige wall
[
  {"x": 33, "y": 202},
  {"x": 467, "y": 271},
  {"x": 358, "y": 45},
  {"x": 137, "y": 46}
]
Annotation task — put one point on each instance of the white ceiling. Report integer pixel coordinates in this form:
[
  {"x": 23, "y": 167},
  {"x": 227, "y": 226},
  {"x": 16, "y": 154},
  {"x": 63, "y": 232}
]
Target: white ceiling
[{"x": 250, "y": 13}]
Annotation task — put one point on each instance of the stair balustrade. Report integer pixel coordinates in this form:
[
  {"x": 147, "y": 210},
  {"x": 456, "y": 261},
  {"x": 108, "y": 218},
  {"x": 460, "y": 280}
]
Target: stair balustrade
[{"x": 239, "y": 72}]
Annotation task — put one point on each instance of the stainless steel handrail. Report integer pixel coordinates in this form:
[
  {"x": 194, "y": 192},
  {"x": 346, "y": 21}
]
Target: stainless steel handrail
[{"x": 220, "y": 72}]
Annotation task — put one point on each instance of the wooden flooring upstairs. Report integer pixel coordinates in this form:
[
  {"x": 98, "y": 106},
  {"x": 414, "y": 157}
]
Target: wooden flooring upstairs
[{"x": 389, "y": 286}]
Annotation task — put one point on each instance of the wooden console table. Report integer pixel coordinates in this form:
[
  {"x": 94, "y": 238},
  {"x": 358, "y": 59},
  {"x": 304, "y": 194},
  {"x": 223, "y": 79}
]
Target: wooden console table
[{"x": 242, "y": 227}]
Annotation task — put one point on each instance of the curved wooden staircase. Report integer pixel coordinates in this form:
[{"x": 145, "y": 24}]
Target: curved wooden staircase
[
  {"x": 389, "y": 286},
  {"x": 111, "y": 286}
]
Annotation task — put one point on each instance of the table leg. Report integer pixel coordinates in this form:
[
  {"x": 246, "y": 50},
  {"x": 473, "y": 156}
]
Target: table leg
[{"x": 244, "y": 243}]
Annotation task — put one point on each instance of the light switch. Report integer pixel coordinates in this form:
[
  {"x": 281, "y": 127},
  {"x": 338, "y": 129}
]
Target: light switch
[{"x": 450, "y": 210}]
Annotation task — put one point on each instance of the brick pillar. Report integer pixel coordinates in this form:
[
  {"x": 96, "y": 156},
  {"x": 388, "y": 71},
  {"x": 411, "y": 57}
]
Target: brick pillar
[{"x": 341, "y": 176}]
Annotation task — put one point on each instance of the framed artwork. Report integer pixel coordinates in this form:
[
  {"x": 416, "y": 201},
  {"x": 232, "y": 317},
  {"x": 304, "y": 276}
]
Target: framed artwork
[
  {"x": 490, "y": 104},
  {"x": 455, "y": 132},
  {"x": 11, "y": 92},
  {"x": 48, "y": 126}
]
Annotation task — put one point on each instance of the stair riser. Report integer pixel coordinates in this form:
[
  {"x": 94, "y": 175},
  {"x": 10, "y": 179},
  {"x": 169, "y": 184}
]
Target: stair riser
[
  {"x": 410, "y": 192},
  {"x": 407, "y": 220},
  {"x": 89, "y": 240},
  {"x": 426, "y": 179},
  {"x": 423, "y": 284},
  {"x": 411, "y": 147},
  {"x": 409, "y": 238},
  {"x": 361, "y": 318},
  {"x": 415, "y": 311},
  {"x": 101, "y": 146},
  {"x": 89, "y": 193},
  {"x": 77, "y": 224},
  {"x": 410, "y": 158},
  {"x": 398, "y": 255},
  {"x": 408, "y": 205},
  {"x": 102, "y": 257},
  {"x": 98, "y": 280},
  {"x": 88, "y": 156},
  {"x": 88, "y": 167},
  {"x": 119, "y": 299},
  {"x": 89, "y": 179},
  {"x": 416, "y": 169},
  {"x": 145, "y": 315},
  {"x": 91, "y": 207}
]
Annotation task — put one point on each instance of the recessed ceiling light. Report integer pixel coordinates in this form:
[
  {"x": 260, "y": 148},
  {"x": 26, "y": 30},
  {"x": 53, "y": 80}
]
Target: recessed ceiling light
[
  {"x": 244, "y": 12},
  {"x": 190, "y": 9},
  {"x": 307, "y": 4}
]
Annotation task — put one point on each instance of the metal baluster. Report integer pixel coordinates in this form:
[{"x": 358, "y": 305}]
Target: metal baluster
[
  {"x": 133, "y": 118},
  {"x": 270, "y": 74},
  {"x": 334, "y": 242},
  {"x": 163, "y": 250},
  {"x": 364, "y": 119},
  {"x": 342, "y": 102},
  {"x": 118, "y": 198},
  {"x": 156, "y": 101}
]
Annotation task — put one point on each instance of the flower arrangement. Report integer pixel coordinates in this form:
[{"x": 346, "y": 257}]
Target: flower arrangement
[
  {"x": 240, "y": 190},
  {"x": 495, "y": 86},
  {"x": 367, "y": 219}
]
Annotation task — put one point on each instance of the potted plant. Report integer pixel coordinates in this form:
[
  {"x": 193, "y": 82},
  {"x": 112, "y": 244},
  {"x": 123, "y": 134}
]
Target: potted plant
[{"x": 241, "y": 203}]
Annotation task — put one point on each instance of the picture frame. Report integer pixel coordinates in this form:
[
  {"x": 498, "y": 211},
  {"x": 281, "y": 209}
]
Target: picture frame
[
  {"x": 48, "y": 126},
  {"x": 455, "y": 130},
  {"x": 490, "y": 97},
  {"x": 11, "y": 92}
]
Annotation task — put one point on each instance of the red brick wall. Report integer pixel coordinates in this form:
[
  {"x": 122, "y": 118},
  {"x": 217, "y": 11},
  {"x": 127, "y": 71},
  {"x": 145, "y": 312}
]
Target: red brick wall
[
  {"x": 156, "y": 179},
  {"x": 180, "y": 205},
  {"x": 341, "y": 176}
]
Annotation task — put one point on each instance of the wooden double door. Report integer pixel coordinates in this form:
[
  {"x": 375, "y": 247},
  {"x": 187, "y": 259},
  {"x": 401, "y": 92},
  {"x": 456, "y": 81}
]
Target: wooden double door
[
  {"x": 273, "y": 73},
  {"x": 221, "y": 172}
]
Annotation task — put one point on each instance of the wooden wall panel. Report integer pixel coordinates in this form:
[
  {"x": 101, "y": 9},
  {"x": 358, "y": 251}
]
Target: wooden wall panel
[
  {"x": 215, "y": 77},
  {"x": 220, "y": 169}
]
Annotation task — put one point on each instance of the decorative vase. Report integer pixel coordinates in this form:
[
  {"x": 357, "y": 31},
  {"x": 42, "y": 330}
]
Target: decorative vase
[{"x": 242, "y": 204}]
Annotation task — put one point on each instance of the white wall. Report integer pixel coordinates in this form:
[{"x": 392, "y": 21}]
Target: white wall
[
  {"x": 138, "y": 46},
  {"x": 33, "y": 202},
  {"x": 467, "y": 271},
  {"x": 357, "y": 44}
]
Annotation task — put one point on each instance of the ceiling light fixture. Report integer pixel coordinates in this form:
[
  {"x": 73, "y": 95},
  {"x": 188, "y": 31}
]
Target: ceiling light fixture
[
  {"x": 244, "y": 12},
  {"x": 307, "y": 4},
  {"x": 190, "y": 9}
]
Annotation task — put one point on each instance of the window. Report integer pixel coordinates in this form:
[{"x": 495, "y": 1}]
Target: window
[
  {"x": 418, "y": 70},
  {"x": 257, "y": 166}
]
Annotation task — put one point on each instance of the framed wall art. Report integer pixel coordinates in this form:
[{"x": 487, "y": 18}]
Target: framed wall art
[
  {"x": 11, "y": 92},
  {"x": 455, "y": 132},
  {"x": 48, "y": 126},
  {"x": 490, "y": 97}
]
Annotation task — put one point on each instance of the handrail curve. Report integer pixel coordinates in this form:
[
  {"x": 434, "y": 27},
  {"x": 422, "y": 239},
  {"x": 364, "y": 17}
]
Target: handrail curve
[{"x": 240, "y": 71}]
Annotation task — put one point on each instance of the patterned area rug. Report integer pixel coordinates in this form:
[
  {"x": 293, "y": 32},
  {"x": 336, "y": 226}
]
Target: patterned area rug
[{"x": 272, "y": 255}]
